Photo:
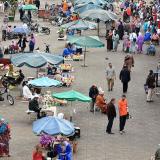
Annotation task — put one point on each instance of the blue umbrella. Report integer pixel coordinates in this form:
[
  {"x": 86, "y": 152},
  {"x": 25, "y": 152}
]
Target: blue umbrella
[
  {"x": 21, "y": 30},
  {"x": 44, "y": 82},
  {"x": 53, "y": 126},
  {"x": 35, "y": 60},
  {"x": 86, "y": 7}
]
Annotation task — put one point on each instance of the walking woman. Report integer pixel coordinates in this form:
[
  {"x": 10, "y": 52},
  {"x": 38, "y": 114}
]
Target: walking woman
[
  {"x": 121, "y": 30},
  {"x": 4, "y": 138},
  {"x": 115, "y": 39},
  {"x": 140, "y": 41},
  {"x": 109, "y": 40},
  {"x": 31, "y": 43}
]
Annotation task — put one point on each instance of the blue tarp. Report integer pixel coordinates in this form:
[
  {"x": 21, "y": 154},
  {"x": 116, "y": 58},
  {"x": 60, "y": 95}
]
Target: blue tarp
[{"x": 21, "y": 30}]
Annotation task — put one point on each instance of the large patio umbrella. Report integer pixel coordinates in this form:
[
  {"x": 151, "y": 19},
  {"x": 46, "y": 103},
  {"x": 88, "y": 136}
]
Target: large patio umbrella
[
  {"x": 99, "y": 15},
  {"x": 86, "y": 42},
  {"x": 35, "y": 60},
  {"x": 53, "y": 126},
  {"x": 80, "y": 25},
  {"x": 44, "y": 82},
  {"x": 72, "y": 96},
  {"x": 86, "y": 7},
  {"x": 29, "y": 7}
]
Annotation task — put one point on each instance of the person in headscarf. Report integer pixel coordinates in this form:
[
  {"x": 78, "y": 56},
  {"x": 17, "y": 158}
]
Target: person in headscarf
[
  {"x": 133, "y": 39},
  {"x": 120, "y": 30},
  {"x": 140, "y": 42},
  {"x": 4, "y": 138},
  {"x": 109, "y": 40},
  {"x": 31, "y": 43},
  {"x": 125, "y": 40},
  {"x": 115, "y": 39}
]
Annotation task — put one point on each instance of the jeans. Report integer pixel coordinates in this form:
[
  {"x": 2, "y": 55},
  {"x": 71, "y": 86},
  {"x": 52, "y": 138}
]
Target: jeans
[
  {"x": 122, "y": 123},
  {"x": 110, "y": 123},
  {"x": 125, "y": 87}
]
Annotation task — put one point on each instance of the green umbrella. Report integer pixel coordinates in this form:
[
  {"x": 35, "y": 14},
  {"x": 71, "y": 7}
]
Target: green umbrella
[
  {"x": 29, "y": 7},
  {"x": 80, "y": 25},
  {"x": 72, "y": 96},
  {"x": 86, "y": 42}
]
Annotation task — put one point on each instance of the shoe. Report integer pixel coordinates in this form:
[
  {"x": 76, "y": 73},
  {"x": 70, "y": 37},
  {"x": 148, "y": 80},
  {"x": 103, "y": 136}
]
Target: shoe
[
  {"x": 121, "y": 132},
  {"x": 91, "y": 110},
  {"x": 109, "y": 132}
]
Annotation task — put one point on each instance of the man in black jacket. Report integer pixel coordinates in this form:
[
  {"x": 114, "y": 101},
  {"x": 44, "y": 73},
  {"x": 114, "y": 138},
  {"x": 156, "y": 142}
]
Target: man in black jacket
[
  {"x": 34, "y": 106},
  {"x": 93, "y": 92},
  {"x": 111, "y": 113},
  {"x": 125, "y": 78},
  {"x": 150, "y": 82}
]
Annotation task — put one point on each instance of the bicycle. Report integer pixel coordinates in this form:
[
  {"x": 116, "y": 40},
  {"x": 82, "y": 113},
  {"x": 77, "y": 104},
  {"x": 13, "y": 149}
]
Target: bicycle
[{"x": 10, "y": 99}]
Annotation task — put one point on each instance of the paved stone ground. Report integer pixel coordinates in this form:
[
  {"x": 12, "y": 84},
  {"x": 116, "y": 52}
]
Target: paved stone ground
[{"x": 143, "y": 131}]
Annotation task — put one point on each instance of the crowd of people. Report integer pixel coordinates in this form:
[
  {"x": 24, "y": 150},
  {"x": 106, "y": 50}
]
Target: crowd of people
[{"x": 140, "y": 25}]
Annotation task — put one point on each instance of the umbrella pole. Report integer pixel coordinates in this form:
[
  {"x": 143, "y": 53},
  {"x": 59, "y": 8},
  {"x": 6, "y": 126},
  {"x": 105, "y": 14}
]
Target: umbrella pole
[
  {"x": 71, "y": 117},
  {"x": 84, "y": 62},
  {"x": 37, "y": 73},
  {"x": 98, "y": 29}
]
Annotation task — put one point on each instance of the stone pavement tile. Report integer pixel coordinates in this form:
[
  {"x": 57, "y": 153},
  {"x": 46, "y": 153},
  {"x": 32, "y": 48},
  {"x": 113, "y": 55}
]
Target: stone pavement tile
[{"x": 95, "y": 154}]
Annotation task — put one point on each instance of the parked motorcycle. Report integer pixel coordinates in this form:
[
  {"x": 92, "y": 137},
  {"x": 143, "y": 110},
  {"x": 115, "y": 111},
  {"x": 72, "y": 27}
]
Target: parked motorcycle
[
  {"x": 37, "y": 28},
  {"x": 8, "y": 80},
  {"x": 58, "y": 21}
]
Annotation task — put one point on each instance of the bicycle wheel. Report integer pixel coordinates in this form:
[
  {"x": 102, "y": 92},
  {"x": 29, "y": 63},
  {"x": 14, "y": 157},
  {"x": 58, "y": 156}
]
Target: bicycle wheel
[{"x": 10, "y": 99}]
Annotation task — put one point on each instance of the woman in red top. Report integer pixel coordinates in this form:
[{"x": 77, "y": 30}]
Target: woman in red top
[{"x": 37, "y": 154}]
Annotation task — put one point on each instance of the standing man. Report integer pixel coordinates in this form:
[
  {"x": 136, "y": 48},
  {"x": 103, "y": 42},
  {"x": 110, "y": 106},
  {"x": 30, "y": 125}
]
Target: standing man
[
  {"x": 111, "y": 113},
  {"x": 93, "y": 92},
  {"x": 150, "y": 82},
  {"x": 125, "y": 78},
  {"x": 123, "y": 111},
  {"x": 110, "y": 75}
]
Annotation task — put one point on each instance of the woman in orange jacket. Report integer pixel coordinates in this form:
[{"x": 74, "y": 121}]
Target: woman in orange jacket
[{"x": 123, "y": 112}]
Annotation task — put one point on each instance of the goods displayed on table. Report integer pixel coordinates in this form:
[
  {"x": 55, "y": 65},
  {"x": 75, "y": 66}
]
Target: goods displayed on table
[
  {"x": 49, "y": 101},
  {"x": 66, "y": 67},
  {"x": 78, "y": 57},
  {"x": 67, "y": 79}
]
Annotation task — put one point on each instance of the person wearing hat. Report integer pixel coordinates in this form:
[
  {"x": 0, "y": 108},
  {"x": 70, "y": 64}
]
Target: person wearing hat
[
  {"x": 101, "y": 102},
  {"x": 27, "y": 94},
  {"x": 123, "y": 112},
  {"x": 34, "y": 106},
  {"x": 150, "y": 82}
]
